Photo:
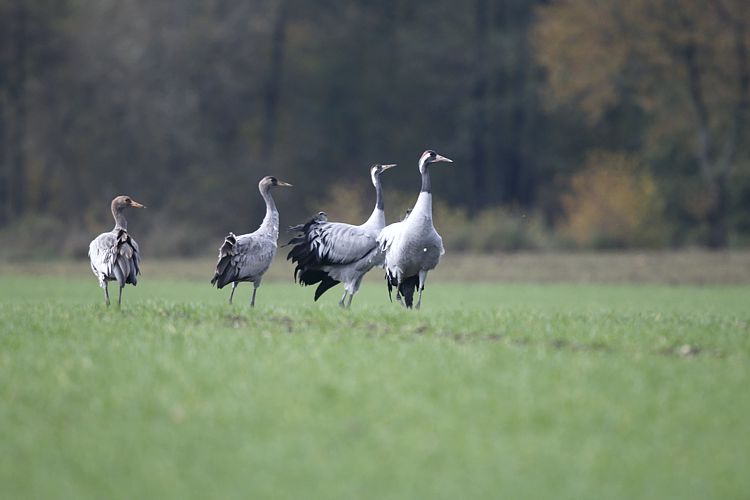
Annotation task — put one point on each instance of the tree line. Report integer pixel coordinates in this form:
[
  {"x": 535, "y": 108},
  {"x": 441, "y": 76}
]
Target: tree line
[{"x": 592, "y": 123}]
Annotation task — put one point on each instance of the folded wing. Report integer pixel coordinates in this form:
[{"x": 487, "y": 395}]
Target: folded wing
[
  {"x": 321, "y": 244},
  {"x": 115, "y": 256}
]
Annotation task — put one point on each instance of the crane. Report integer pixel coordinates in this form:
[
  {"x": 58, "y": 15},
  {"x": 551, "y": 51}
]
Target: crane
[
  {"x": 247, "y": 257},
  {"x": 115, "y": 255},
  {"x": 413, "y": 247},
  {"x": 334, "y": 252}
]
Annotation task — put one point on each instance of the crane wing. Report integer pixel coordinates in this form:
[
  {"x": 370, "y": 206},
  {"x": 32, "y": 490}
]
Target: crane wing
[
  {"x": 330, "y": 243},
  {"x": 388, "y": 235},
  {"x": 242, "y": 257},
  {"x": 115, "y": 255}
]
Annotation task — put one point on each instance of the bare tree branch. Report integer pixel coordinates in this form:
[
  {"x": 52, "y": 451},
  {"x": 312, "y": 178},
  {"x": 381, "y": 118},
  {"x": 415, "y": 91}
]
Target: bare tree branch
[
  {"x": 743, "y": 101},
  {"x": 698, "y": 103}
]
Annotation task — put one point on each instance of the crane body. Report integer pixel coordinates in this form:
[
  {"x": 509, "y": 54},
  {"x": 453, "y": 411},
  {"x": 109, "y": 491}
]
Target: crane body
[
  {"x": 329, "y": 253},
  {"x": 115, "y": 255},
  {"x": 412, "y": 247},
  {"x": 247, "y": 257}
]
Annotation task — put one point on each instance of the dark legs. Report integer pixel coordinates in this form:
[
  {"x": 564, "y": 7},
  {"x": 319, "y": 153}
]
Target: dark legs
[
  {"x": 422, "y": 279},
  {"x": 255, "y": 289},
  {"x": 234, "y": 286},
  {"x": 106, "y": 293},
  {"x": 119, "y": 296},
  {"x": 343, "y": 303}
]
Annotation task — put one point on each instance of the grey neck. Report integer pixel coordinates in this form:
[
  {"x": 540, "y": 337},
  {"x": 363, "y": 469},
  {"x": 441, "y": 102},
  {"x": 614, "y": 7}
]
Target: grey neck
[
  {"x": 270, "y": 223},
  {"x": 377, "y": 218},
  {"x": 379, "y": 201},
  {"x": 120, "y": 221},
  {"x": 426, "y": 183}
]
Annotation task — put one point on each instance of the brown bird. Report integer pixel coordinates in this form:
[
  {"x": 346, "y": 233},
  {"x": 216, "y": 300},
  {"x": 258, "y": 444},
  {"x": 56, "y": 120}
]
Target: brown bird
[{"x": 115, "y": 255}]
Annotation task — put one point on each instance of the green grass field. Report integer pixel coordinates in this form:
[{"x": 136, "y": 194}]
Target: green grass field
[{"x": 491, "y": 391}]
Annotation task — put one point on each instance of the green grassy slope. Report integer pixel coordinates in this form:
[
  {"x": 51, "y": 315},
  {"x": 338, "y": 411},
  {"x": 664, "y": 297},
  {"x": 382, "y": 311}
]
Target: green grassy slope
[{"x": 490, "y": 391}]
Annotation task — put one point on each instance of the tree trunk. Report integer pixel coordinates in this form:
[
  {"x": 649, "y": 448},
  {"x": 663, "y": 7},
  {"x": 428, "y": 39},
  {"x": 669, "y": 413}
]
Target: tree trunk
[
  {"x": 717, "y": 215},
  {"x": 479, "y": 100},
  {"x": 516, "y": 189},
  {"x": 5, "y": 209},
  {"x": 17, "y": 93},
  {"x": 272, "y": 89}
]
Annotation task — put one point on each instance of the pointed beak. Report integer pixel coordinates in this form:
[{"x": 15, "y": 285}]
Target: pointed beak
[
  {"x": 135, "y": 204},
  {"x": 284, "y": 184},
  {"x": 442, "y": 158},
  {"x": 386, "y": 167}
]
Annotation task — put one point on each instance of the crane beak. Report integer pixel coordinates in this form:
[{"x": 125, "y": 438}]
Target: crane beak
[
  {"x": 135, "y": 204},
  {"x": 386, "y": 167},
  {"x": 442, "y": 158},
  {"x": 284, "y": 184}
]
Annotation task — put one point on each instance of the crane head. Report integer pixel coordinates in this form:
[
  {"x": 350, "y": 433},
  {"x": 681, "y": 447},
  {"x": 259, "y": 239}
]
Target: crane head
[
  {"x": 123, "y": 201},
  {"x": 377, "y": 169},
  {"x": 431, "y": 156},
  {"x": 271, "y": 181}
]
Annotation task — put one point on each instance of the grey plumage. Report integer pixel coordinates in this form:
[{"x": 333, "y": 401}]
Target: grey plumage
[
  {"x": 247, "y": 257},
  {"x": 115, "y": 255},
  {"x": 329, "y": 253},
  {"x": 413, "y": 247},
  {"x": 320, "y": 217}
]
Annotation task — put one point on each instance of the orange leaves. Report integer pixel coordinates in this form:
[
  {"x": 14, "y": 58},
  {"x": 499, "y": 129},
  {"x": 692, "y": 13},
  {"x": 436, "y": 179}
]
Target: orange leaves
[{"x": 613, "y": 202}]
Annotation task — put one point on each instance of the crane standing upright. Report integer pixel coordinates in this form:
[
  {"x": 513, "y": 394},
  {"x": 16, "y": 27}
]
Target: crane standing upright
[
  {"x": 329, "y": 253},
  {"x": 247, "y": 257},
  {"x": 115, "y": 255},
  {"x": 413, "y": 247}
]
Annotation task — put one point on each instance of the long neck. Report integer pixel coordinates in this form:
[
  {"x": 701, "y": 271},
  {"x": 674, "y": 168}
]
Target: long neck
[
  {"x": 377, "y": 219},
  {"x": 423, "y": 206},
  {"x": 120, "y": 221},
  {"x": 426, "y": 182},
  {"x": 270, "y": 224}
]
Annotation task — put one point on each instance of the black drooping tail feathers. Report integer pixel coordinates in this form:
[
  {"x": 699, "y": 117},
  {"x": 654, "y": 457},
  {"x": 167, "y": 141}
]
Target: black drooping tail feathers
[
  {"x": 307, "y": 271},
  {"x": 126, "y": 257},
  {"x": 406, "y": 288},
  {"x": 225, "y": 273}
]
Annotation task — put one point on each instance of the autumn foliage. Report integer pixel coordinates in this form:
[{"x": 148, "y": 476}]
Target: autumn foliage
[{"x": 613, "y": 202}]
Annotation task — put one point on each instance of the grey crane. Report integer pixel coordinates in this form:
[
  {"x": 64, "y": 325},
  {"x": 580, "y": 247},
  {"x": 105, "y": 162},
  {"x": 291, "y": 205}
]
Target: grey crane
[
  {"x": 334, "y": 252},
  {"x": 115, "y": 255},
  {"x": 247, "y": 257},
  {"x": 412, "y": 247}
]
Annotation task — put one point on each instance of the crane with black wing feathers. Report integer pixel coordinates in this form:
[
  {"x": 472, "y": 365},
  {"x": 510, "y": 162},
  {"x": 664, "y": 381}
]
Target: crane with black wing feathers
[{"x": 328, "y": 253}]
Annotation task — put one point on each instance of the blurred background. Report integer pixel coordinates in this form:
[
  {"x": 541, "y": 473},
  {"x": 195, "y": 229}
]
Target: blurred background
[{"x": 582, "y": 124}]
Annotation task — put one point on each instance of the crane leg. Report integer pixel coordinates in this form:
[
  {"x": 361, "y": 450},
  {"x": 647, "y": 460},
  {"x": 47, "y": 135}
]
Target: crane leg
[
  {"x": 255, "y": 289},
  {"x": 119, "y": 296},
  {"x": 231, "y": 295},
  {"x": 422, "y": 279},
  {"x": 106, "y": 293},
  {"x": 351, "y": 296},
  {"x": 343, "y": 298}
]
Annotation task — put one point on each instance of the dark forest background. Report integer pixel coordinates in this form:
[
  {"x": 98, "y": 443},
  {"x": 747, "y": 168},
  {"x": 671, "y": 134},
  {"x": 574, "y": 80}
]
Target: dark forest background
[{"x": 572, "y": 124}]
